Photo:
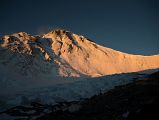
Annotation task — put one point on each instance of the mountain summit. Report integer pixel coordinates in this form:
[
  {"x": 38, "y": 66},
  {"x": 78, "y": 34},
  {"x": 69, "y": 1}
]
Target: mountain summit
[{"x": 63, "y": 53}]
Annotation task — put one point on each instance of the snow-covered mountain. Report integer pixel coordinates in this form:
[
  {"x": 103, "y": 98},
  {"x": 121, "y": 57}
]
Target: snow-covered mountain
[
  {"x": 62, "y": 66},
  {"x": 63, "y": 53}
]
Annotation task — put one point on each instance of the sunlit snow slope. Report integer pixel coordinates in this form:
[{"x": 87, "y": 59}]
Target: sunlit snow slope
[{"x": 63, "y": 53}]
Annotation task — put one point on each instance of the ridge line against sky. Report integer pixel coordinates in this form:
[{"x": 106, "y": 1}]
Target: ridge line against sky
[{"x": 129, "y": 26}]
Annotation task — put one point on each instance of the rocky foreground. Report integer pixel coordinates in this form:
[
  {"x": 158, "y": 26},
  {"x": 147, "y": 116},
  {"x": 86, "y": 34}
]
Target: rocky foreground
[{"x": 135, "y": 101}]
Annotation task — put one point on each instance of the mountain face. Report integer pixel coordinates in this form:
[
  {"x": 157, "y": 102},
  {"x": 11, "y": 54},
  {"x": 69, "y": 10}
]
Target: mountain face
[
  {"x": 63, "y": 53},
  {"x": 59, "y": 66}
]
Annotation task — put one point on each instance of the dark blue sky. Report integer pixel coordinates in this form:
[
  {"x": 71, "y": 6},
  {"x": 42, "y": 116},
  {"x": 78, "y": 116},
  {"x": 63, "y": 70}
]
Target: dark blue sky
[{"x": 130, "y": 26}]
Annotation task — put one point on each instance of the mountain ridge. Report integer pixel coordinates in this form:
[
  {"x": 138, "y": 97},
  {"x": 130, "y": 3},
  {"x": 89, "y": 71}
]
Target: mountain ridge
[{"x": 65, "y": 53}]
